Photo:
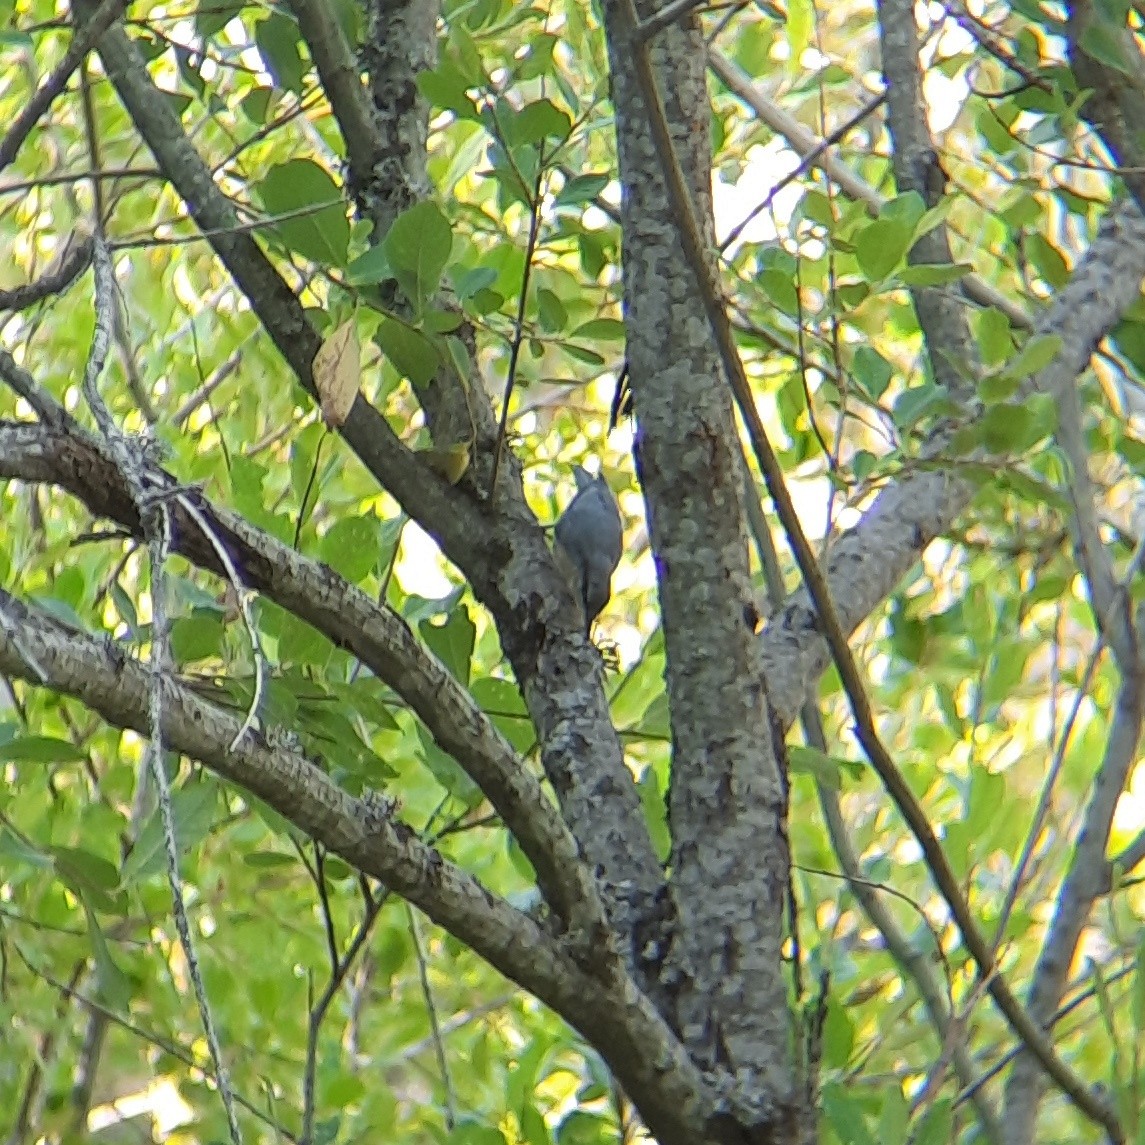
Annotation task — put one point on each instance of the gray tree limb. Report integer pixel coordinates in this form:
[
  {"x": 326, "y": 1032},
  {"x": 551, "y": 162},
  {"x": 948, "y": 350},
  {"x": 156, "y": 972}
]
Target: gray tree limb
[
  {"x": 728, "y": 802},
  {"x": 499, "y": 547},
  {"x": 350, "y": 619},
  {"x": 601, "y": 1002}
]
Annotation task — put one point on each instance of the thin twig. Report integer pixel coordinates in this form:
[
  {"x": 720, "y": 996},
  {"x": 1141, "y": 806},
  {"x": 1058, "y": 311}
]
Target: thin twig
[
  {"x": 519, "y": 322},
  {"x": 341, "y": 966},
  {"x": 434, "y": 1026}
]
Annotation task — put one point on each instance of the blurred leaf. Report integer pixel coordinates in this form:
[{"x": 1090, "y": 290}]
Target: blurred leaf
[
  {"x": 337, "y": 372},
  {"x": 193, "y": 808},
  {"x": 417, "y": 248},
  {"x": 452, "y": 642},
  {"x": 41, "y": 749},
  {"x": 279, "y": 44},
  {"x": 317, "y": 227}
]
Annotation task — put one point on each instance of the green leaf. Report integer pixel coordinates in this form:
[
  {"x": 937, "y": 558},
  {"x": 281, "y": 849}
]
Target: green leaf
[
  {"x": 193, "y": 810},
  {"x": 468, "y": 282},
  {"x": 538, "y": 121},
  {"x": 452, "y": 642},
  {"x": 1106, "y": 44},
  {"x": 89, "y": 876},
  {"x": 214, "y": 15},
  {"x": 551, "y": 313},
  {"x": 880, "y": 247},
  {"x": 189, "y": 63},
  {"x": 1035, "y": 356},
  {"x": 370, "y": 268},
  {"x": 908, "y": 209},
  {"x": 583, "y": 1128},
  {"x": 268, "y": 860},
  {"x": 937, "y": 1125},
  {"x": 41, "y": 749},
  {"x": 14, "y": 848},
  {"x": 933, "y": 273},
  {"x": 1014, "y": 427},
  {"x": 1138, "y": 986},
  {"x": 468, "y": 1132},
  {"x": 993, "y": 334},
  {"x": 84, "y": 868},
  {"x": 350, "y": 546},
  {"x": 581, "y": 189},
  {"x": 914, "y": 404},
  {"x": 112, "y": 985},
  {"x": 198, "y": 636},
  {"x": 894, "y": 1118},
  {"x": 838, "y": 1035},
  {"x": 655, "y": 812},
  {"x": 278, "y": 40},
  {"x": 125, "y": 606},
  {"x": 826, "y": 769},
  {"x": 418, "y": 247},
  {"x": 447, "y": 88},
  {"x": 845, "y": 1116},
  {"x": 779, "y": 286},
  {"x": 412, "y": 353},
  {"x": 872, "y": 371},
  {"x": 318, "y": 227},
  {"x": 1047, "y": 259},
  {"x": 799, "y": 25},
  {"x": 600, "y": 330},
  {"x": 255, "y": 105}
]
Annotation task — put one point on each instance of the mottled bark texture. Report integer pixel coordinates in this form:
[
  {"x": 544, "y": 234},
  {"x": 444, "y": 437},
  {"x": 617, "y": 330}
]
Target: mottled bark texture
[{"x": 727, "y": 804}]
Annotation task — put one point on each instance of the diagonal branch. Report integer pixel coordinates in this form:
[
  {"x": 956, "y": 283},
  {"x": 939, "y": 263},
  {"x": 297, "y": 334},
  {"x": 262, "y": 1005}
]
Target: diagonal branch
[
  {"x": 499, "y": 547},
  {"x": 101, "y": 19},
  {"x": 867, "y": 562},
  {"x": 348, "y": 618},
  {"x": 947, "y": 331},
  {"x": 602, "y": 1004}
]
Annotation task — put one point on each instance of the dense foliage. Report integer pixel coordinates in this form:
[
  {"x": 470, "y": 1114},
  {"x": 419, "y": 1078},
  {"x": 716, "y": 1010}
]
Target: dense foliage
[{"x": 1001, "y": 669}]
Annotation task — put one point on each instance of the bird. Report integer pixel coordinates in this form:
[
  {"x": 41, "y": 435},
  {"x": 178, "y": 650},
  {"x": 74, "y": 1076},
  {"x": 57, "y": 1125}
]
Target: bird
[{"x": 589, "y": 540}]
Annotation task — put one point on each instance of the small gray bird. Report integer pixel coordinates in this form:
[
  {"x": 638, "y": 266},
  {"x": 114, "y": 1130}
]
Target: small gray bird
[{"x": 589, "y": 537}]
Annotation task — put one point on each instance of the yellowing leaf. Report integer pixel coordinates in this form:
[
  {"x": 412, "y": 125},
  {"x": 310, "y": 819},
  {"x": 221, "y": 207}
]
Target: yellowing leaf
[
  {"x": 450, "y": 463},
  {"x": 337, "y": 368}
]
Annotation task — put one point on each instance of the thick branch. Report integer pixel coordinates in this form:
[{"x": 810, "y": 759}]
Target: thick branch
[
  {"x": 603, "y": 1005},
  {"x": 867, "y": 562},
  {"x": 728, "y": 801},
  {"x": 500, "y": 548},
  {"x": 348, "y": 618}
]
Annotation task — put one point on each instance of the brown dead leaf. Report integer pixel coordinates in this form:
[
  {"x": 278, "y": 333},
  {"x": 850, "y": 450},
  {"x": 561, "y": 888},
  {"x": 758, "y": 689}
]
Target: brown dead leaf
[{"x": 337, "y": 369}]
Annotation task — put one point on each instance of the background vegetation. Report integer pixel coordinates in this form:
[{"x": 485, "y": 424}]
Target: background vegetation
[{"x": 940, "y": 324}]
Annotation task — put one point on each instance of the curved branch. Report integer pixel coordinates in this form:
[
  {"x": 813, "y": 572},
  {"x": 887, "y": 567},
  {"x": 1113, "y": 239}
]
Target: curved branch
[
  {"x": 349, "y": 619},
  {"x": 499, "y": 547},
  {"x": 601, "y": 1002}
]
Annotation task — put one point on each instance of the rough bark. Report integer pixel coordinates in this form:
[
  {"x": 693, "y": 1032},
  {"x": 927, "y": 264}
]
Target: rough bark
[{"x": 727, "y": 804}]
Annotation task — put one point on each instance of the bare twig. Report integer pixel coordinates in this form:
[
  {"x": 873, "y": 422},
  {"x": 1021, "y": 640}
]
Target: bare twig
[{"x": 434, "y": 1025}]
